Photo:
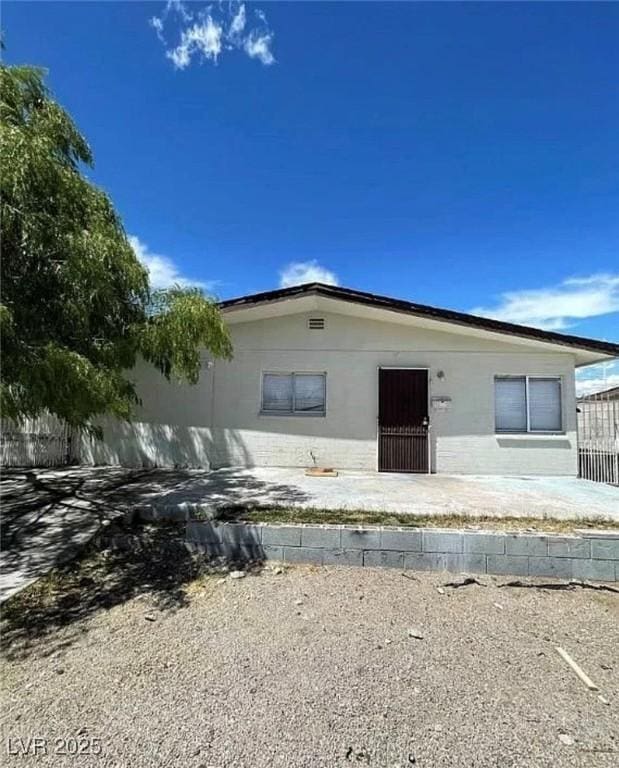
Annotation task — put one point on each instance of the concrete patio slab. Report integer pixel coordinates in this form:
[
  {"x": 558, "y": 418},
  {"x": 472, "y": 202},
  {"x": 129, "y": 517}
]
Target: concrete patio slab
[{"x": 562, "y": 498}]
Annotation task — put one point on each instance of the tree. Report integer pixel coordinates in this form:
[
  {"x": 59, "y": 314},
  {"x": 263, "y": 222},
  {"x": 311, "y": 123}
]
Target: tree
[{"x": 76, "y": 308}]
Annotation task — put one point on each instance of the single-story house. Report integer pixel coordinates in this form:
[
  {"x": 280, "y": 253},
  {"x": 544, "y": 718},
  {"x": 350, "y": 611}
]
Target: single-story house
[{"x": 334, "y": 377}]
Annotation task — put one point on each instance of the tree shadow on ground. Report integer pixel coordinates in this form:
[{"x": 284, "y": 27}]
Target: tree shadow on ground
[
  {"x": 50, "y": 614},
  {"x": 110, "y": 491},
  {"x": 50, "y": 515},
  {"x": 50, "y": 518},
  {"x": 231, "y": 485},
  {"x": 31, "y": 495}
]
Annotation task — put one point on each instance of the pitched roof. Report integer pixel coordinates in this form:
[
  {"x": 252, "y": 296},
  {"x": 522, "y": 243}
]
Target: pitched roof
[{"x": 420, "y": 310}]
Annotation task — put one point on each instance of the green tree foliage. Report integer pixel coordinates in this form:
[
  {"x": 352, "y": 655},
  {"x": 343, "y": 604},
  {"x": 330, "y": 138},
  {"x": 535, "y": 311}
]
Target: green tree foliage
[{"x": 77, "y": 311}]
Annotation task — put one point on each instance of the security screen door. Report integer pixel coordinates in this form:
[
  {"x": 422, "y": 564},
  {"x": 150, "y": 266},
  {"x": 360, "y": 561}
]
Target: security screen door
[{"x": 402, "y": 420}]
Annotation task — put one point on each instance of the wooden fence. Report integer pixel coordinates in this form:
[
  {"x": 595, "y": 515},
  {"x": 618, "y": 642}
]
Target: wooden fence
[
  {"x": 40, "y": 442},
  {"x": 598, "y": 437}
]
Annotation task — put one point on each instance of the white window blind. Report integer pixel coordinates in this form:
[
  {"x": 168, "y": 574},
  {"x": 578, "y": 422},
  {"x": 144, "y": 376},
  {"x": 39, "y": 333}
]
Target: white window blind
[
  {"x": 510, "y": 402},
  {"x": 309, "y": 392},
  {"x": 277, "y": 392},
  {"x": 544, "y": 405},
  {"x": 302, "y": 393},
  {"x": 527, "y": 404}
]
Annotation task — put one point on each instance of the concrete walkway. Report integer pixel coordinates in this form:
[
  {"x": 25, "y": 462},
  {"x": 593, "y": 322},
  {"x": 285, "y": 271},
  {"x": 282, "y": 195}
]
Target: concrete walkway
[{"x": 49, "y": 514}]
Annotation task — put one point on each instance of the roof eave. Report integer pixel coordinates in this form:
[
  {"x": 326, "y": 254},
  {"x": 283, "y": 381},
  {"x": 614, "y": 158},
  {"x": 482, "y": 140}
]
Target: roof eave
[{"x": 592, "y": 350}]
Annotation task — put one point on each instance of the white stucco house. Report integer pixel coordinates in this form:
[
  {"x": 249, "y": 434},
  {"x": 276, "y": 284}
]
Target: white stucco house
[{"x": 341, "y": 378}]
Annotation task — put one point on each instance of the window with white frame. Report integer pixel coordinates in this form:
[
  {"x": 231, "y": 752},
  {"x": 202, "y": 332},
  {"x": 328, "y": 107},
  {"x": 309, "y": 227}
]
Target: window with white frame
[
  {"x": 527, "y": 404},
  {"x": 294, "y": 393}
]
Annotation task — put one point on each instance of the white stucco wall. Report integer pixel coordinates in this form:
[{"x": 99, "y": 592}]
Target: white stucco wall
[{"x": 218, "y": 422}]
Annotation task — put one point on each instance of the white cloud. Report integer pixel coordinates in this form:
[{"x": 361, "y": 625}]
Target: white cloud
[
  {"x": 201, "y": 38},
  {"x": 163, "y": 272},
  {"x": 596, "y": 378},
  {"x": 559, "y": 307},
  {"x": 306, "y": 272},
  {"x": 258, "y": 46},
  {"x": 204, "y": 34},
  {"x": 237, "y": 25},
  {"x": 157, "y": 24}
]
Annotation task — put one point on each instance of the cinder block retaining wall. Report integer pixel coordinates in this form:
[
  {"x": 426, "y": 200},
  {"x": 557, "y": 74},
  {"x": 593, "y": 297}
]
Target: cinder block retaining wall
[{"x": 591, "y": 555}]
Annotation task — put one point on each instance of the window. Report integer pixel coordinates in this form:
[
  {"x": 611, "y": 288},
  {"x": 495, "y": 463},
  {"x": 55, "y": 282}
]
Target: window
[
  {"x": 294, "y": 393},
  {"x": 510, "y": 403},
  {"x": 527, "y": 404},
  {"x": 544, "y": 405}
]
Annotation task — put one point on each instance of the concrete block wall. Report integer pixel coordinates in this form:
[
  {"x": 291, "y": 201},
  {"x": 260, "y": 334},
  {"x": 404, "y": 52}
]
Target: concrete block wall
[{"x": 587, "y": 556}]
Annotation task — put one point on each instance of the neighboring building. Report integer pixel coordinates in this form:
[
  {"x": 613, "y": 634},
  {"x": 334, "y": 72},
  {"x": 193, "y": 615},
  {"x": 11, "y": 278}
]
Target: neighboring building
[
  {"x": 351, "y": 380},
  {"x": 598, "y": 418},
  {"x": 604, "y": 394}
]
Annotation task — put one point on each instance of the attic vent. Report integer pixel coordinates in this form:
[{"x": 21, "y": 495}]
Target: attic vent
[{"x": 316, "y": 323}]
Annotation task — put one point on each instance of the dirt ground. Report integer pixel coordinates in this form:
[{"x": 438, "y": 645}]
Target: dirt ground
[{"x": 140, "y": 662}]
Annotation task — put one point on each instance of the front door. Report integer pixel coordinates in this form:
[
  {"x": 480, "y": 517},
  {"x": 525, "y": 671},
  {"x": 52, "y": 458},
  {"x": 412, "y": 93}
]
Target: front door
[{"x": 402, "y": 420}]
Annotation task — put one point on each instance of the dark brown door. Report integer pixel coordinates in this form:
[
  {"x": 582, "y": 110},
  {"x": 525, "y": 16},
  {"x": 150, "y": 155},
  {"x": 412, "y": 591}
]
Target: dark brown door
[{"x": 402, "y": 420}]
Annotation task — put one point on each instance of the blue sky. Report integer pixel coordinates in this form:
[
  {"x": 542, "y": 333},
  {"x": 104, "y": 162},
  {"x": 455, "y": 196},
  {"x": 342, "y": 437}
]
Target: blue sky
[{"x": 460, "y": 155}]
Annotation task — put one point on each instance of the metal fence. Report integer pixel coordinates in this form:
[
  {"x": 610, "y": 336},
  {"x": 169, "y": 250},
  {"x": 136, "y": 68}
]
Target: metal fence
[
  {"x": 40, "y": 442},
  {"x": 598, "y": 437}
]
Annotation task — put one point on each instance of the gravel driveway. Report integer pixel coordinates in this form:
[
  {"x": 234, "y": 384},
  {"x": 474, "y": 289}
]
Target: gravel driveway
[{"x": 316, "y": 667}]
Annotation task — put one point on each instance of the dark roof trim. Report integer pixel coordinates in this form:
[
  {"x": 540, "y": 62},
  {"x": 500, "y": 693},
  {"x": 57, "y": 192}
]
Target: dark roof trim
[{"x": 420, "y": 310}]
